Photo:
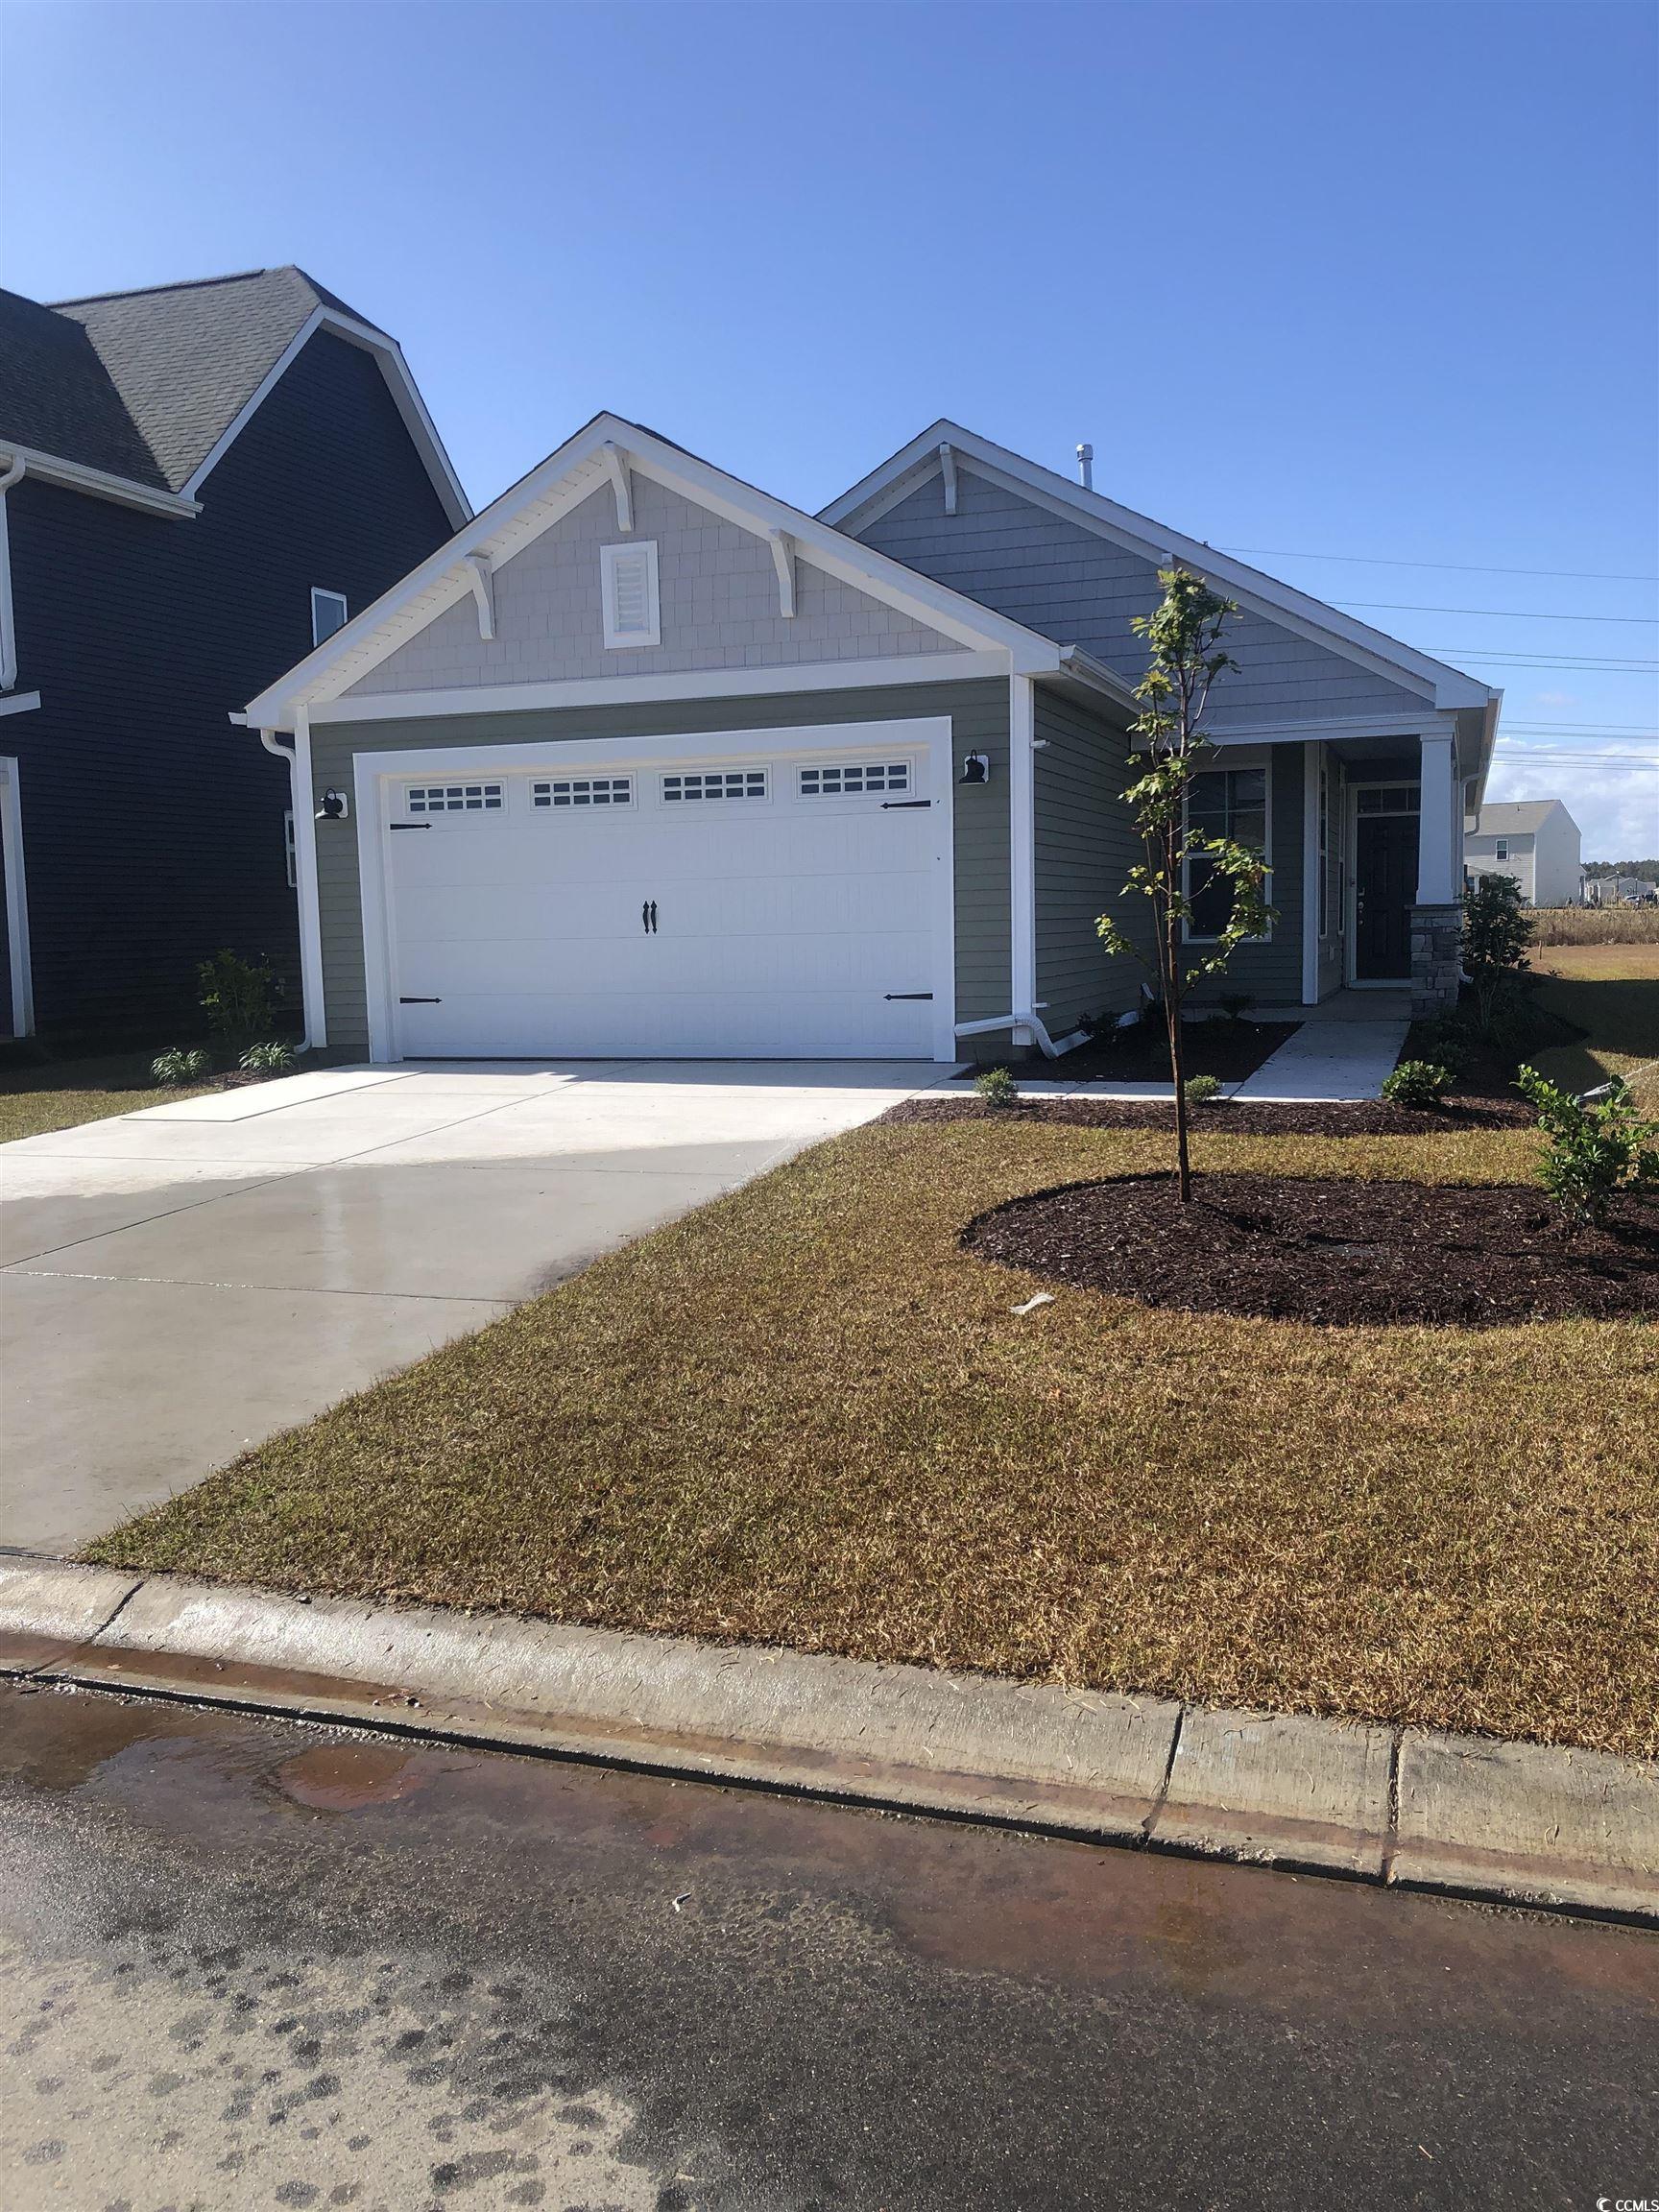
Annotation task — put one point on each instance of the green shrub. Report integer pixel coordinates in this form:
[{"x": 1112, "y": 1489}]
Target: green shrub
[
  {"x": 1417, "y": 1083},
  {"x": 1203, "y": 1089},
  {"x": 1450, "y": 1040},
  {"x": 175, "y": 1065},
  {"x": 1235, "y": 1004},
  {"x": 239, "y": 998},
  {"x": 996, "y": 1087},
  {"x": 271, "y": 1058},
  {"x": 1597, "y": 1150},
  {"x": 1497, "y": 931}
]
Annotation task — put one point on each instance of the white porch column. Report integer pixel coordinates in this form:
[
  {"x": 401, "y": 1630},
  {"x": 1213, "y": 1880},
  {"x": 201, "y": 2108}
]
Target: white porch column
[
  {"x": 1437, "y": 883},
  {"x": 1023, "y": 849}
]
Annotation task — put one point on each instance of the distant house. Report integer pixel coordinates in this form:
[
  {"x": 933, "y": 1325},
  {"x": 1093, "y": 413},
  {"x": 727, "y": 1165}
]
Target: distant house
[
  {"x": 1617, "y": 890},
  {"x": 1533, "y": 840},
  {"x": 198, "y": 483}
]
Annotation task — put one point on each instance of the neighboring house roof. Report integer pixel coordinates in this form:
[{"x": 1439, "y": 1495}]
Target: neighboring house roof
[
  {"x": 911, "y": 465},
  {"x": 1518, "y": 818},
  {"x": 601, "y": 454},
  {"x": 150, "y": 388}
]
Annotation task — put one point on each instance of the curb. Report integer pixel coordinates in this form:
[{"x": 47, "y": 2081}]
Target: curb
[{"x": 1473, "y": 1816}]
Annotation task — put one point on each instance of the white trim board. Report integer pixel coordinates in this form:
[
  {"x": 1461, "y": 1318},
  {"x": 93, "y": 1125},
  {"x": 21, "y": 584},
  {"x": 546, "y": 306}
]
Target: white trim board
[
  {"x": 373, "y": 771},
  {"x": 401, "y": 385},
  {"x": 99, "y": 484},
  {"x": 560, "y": 483},
  {"x": 16, "y": 900},
  {"x": 19, "y": 703},
  {"x": 1296, "y": 610},
  {"x": 637, "y": 690}
]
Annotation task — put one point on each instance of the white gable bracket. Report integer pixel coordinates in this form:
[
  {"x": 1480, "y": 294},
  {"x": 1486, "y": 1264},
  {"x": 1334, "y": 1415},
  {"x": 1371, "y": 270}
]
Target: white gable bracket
[
  {"x": 784, "y": 560},
  {"x": 621, "y": 482},
  {"x": 948, "y": 468},
  {"x": 483, "y": 579}
]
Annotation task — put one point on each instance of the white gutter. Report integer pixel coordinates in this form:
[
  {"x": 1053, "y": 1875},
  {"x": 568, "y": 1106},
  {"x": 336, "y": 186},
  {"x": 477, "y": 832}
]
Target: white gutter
[
  {"x": 298, "y": 759},
  {"x": 7, "y": 617},
  {"x": 50, "y": 468}
]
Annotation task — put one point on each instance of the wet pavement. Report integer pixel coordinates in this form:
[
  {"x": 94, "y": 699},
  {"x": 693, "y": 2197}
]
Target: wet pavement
[{"x": 250, "y": 1963}]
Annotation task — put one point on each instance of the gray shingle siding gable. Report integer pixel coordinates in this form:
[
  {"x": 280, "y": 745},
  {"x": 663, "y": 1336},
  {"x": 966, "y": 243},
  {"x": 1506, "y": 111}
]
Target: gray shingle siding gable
[
  {"x": 718, "y": 590},
  {"x": 979, "y": 712},
  {"x": 1060, "y": 578}
]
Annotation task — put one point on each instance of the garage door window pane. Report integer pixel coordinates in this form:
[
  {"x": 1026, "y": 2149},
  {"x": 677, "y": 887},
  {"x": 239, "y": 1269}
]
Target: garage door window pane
[
  {"x": 853, "y": 777},
  {"x": 453, "y": 799},
  {"x": 715, "y": 783},
  {"x": 584, "y": 791}
]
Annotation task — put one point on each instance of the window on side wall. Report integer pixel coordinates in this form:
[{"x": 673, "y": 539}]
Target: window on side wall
[
  {"x": 328, "y": 613},
  {"x": 1324, "y": 850},
  {"x": 1230, "y": 802},
  {"x": 288, "y": 853}
]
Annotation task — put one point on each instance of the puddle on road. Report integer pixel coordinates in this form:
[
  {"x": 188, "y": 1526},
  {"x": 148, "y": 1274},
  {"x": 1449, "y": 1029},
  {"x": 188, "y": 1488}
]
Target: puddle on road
[{"x": 347, "y": 1778}]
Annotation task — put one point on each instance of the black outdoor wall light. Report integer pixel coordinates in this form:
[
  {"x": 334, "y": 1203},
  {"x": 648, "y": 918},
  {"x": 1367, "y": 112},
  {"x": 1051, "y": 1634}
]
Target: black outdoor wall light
[
  {"x": 976, "y": 768},
  {"x": 333, "y": 808}
]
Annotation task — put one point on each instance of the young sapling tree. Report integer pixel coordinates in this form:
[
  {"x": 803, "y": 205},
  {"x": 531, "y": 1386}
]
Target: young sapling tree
[{"x": 1183, "y": 637}]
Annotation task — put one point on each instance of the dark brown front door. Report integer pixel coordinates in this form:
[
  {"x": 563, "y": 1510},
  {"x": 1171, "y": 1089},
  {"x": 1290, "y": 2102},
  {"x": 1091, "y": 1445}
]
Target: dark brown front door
[{"x": 1385, "y": 879}]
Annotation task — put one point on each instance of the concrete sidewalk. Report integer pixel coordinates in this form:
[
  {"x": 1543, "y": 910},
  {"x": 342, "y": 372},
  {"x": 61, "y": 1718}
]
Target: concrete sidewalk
[{"x": 1475, "y": 1816}]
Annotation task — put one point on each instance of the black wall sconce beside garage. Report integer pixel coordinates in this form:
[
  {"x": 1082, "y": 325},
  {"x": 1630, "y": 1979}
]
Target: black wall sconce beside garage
[{"x": 976, "y": 768}]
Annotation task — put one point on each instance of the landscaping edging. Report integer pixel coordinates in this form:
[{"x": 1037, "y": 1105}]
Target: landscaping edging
[{"x": 1574, "y": 1831}]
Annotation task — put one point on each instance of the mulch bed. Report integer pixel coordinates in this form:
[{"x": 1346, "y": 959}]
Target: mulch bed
[
  {"x": 1228, "y": 1050},
  {"x": 1342, "y": 1253},
  {"x": 1358, "y": 1117}
]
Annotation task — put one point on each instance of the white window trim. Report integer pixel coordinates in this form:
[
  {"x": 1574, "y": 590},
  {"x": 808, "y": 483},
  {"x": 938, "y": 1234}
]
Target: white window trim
[
  {"x": 1217, "y": 766},
  {"x": 323, "y": 591},
  {"x": 621, "y": 640},
  {"x": 376, "y": 777}
]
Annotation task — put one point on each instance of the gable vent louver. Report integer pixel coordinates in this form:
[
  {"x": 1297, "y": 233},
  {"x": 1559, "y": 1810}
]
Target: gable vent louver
[{"x": 629, "y": 576}]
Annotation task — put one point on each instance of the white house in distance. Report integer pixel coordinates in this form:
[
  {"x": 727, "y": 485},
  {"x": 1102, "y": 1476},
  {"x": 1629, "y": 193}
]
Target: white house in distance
[{"x": 1533, "y": 840}]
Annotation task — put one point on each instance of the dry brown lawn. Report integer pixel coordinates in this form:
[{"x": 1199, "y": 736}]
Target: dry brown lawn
[
  {"x": 803, "y": 1415},
  {"x": 1594, "y": 925}
]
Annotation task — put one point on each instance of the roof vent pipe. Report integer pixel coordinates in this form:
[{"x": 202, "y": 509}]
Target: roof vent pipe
[{"x": 1086, "y": 466}]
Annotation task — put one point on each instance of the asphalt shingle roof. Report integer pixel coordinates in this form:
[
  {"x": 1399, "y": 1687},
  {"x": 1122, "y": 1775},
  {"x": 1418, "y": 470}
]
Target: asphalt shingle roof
[
  {"x": 144, "y": 384},
  {"x": 1518, "y": 816}
]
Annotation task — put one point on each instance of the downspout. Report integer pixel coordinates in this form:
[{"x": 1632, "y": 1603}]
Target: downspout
[
  {"x": 298, "y": 766},
  {"x": 7, "y": 616}
]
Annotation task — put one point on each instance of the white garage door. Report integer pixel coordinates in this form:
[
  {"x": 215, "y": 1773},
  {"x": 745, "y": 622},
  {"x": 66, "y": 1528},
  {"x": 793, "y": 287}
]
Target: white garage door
[{"x": 778, "y": 905}]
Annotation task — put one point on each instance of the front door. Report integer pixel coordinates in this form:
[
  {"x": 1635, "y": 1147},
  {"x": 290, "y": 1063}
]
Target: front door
[{"x": 1384, "y": 883}]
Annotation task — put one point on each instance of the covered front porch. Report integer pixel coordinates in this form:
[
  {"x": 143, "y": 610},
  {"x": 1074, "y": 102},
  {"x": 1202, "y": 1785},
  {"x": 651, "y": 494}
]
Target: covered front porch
[{"x": 1363, "y": 828}]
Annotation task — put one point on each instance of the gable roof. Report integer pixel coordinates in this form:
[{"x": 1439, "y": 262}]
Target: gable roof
[
  {"x": 151, "y": 386},
  {"x": 1518, "y": 817},
  {"x": 600, "y": 453},
  {"x": 913, "y": 464}
]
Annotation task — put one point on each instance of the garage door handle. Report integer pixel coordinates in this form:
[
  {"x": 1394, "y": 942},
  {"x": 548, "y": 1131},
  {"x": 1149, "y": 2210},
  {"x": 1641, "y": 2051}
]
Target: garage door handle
[
  {"x": 648, "y": 917},
  {"x": 420, "y": 1001},
  {"x": 906, "y": 993},
  {"x": 411, "y": 824},
  {"x": 898, "y": 805}
]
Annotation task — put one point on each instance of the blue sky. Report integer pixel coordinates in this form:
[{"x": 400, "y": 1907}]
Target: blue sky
[{"x": 1368, "y": 280}]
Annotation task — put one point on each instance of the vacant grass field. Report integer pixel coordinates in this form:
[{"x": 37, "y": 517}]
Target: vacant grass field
[
  {"x": 803, "y": 1416},
  {"x": 1594, "y": 925},
  {"x": 62, "y": 1093},
  {"x": 1611, "y": 991}
]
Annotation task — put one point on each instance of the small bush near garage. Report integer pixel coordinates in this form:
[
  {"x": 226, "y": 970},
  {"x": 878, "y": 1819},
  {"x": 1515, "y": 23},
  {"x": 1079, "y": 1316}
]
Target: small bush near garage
[{"x": 1417, "y": 1083}]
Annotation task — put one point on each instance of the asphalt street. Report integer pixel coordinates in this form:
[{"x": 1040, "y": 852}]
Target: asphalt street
[{"x": 249, "y": 1963}]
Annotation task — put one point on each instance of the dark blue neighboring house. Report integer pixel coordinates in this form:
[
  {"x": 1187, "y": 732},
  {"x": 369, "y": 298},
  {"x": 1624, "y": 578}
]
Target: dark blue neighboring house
[{"x": 198, "y": 483}]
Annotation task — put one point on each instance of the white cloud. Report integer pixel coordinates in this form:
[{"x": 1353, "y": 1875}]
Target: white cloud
[{"x": 1615, "y": 806}]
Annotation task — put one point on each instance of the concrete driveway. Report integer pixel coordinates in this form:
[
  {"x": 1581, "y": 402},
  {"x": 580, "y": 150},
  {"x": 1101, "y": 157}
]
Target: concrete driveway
[{"x": 180, "y": 1282}]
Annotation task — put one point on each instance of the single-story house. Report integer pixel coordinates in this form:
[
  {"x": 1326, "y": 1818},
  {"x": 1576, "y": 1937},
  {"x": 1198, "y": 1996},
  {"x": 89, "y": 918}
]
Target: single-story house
[
  {"x": 645, "y": 761},
  {"x": 1534, "y": 841}
]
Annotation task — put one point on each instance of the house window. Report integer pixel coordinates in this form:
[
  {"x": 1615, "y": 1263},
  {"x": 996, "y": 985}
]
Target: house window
[
  {"x": 1229, "y": 803},
  {"x": 289, "y": 851},
  {"x": 1502, "y": 850},
  {"x": 1387, "y": 799},
  {"x": 327, "y": 613},
  {"x": 1324, "y": 850},
  {"x": 584, "y": 791},
  {"x": 628, "y": 589},
  {"x": 857, "y": 775},
  {"x": 716, "y": 783}
]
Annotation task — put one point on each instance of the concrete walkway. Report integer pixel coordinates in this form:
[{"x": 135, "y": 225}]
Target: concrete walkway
[
  {"x": 1407, "y": 1807},
  {"x": 1345, "y": 1048},
  {"x": 182, "y": 1282}
]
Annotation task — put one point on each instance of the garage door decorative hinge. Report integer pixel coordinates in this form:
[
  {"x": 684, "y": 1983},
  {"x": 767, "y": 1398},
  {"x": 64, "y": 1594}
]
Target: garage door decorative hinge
[
  {"x": 906, "y": 993},
  {"x": 899, "y": 805}
]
